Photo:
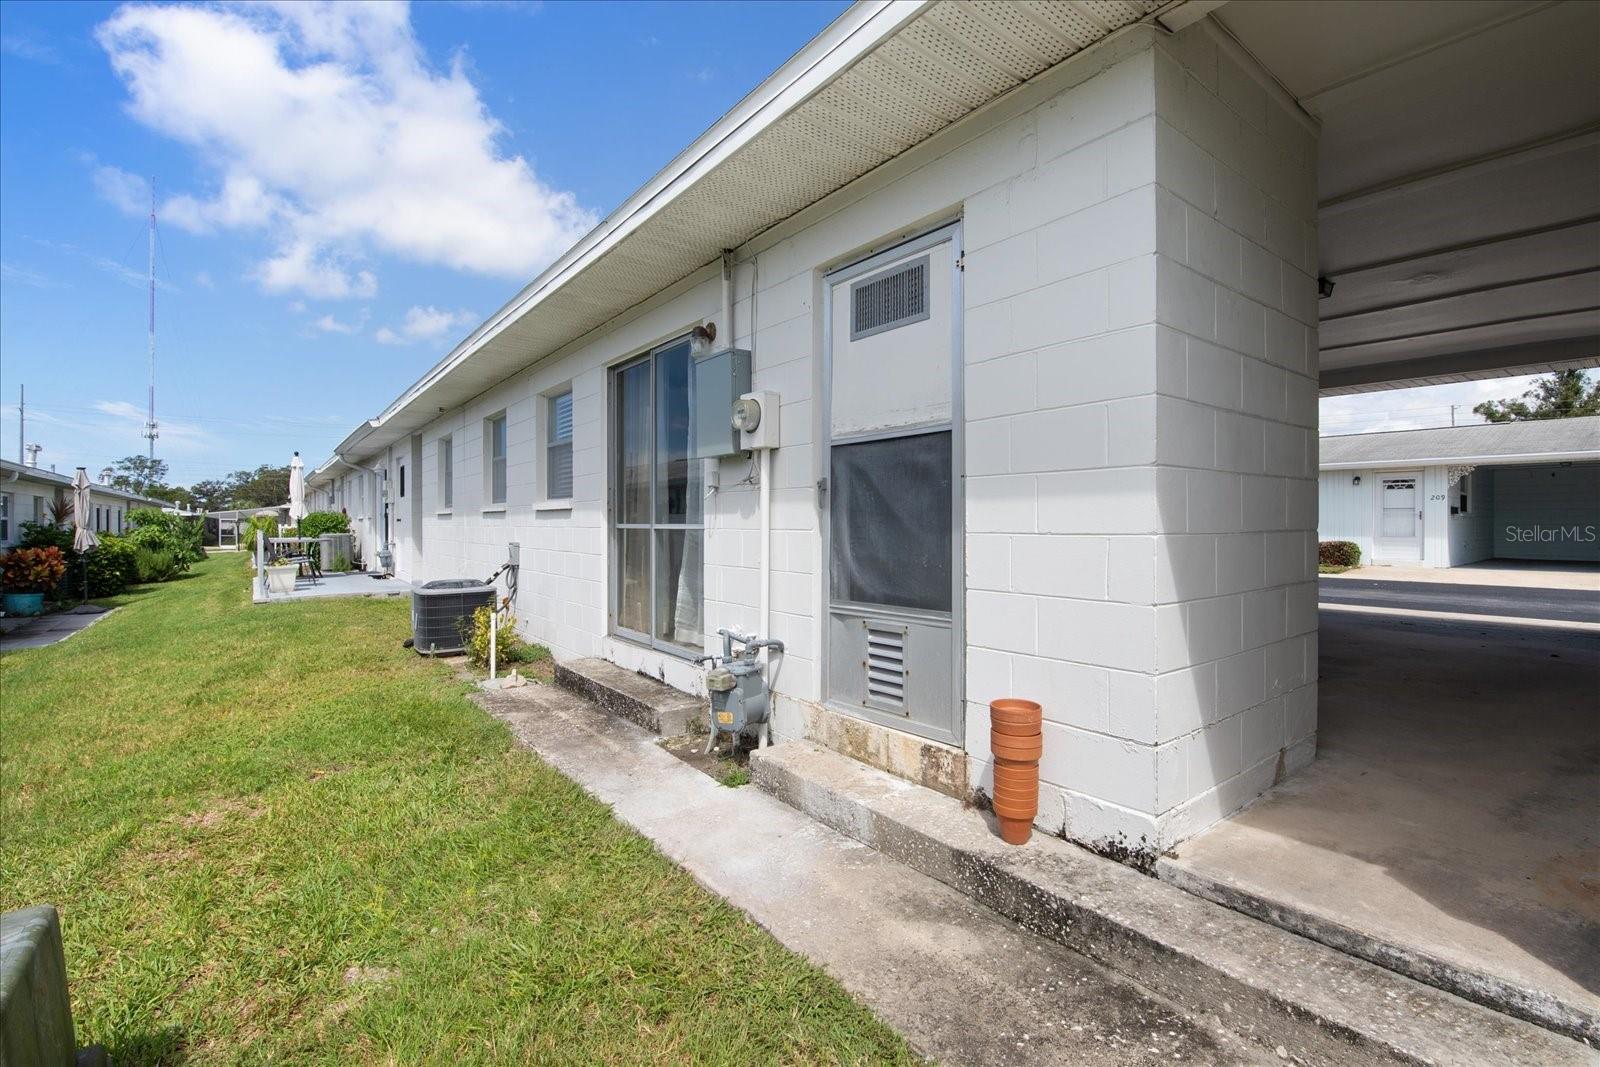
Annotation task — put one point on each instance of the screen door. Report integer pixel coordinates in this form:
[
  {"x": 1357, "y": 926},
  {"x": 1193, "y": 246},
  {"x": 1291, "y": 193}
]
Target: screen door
[
  {"x": 892, "y": 507},
  {"x": 1399, "y": 517}
]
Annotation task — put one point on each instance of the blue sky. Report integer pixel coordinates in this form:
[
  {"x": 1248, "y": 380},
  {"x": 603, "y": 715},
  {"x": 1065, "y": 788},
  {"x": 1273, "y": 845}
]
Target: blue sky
[{"x": 343, "y": 193}]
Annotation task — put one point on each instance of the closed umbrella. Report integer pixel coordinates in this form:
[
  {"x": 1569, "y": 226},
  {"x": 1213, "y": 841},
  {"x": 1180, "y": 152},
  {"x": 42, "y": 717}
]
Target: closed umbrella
[
  {"x": 83, "y": 536},
  {"x": 297, "y": 490}
]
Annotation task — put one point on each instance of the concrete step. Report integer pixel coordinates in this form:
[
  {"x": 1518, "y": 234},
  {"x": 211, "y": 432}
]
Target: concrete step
[
  {"x": 656, "y": 706},
  {"x": 1305, "y": 1000},
  {"x": 1539, "y": 1006}
]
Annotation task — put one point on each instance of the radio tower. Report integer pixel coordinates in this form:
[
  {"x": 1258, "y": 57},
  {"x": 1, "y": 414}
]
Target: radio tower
[{"x": 150, "y": 430}]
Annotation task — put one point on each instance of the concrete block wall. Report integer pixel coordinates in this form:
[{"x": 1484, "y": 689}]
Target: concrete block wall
[
  {"x": 1141, "y": 461},
  {"x": 1139, "y": 352}
]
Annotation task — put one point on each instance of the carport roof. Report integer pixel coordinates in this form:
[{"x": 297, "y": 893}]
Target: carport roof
[{"x": 1544, "y": 440}]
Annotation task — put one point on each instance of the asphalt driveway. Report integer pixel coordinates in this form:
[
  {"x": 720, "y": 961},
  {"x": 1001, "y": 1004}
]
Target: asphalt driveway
[{"x": 1556, "y": 605}]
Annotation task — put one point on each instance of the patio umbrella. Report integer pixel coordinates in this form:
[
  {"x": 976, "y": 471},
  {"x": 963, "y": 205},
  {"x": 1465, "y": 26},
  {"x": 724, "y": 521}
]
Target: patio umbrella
[
  {"x": 83, "y": 536},
  {"x": 297, "y": 490}
]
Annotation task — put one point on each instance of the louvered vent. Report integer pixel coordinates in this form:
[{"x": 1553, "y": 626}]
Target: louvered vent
[
  {"x": 886, "y": 666},
  {"x": 897, "y": 297}
]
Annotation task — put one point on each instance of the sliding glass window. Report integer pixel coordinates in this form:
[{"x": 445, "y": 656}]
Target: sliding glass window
[{"x": 658, "y": 531}]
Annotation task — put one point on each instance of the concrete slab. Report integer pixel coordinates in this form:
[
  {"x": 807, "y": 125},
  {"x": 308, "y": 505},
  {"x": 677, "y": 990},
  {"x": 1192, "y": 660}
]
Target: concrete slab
[
  {"x": 354, "y": 583},
  {"x": 40, "y": 631},
  {"x": 1448, "y": 828},
  {"x": 961, "y": 983},
  {"x": 1515, "y": 574},
  {"x": 659, "y": 708},
  {"x": 1307, "y": 1002}
]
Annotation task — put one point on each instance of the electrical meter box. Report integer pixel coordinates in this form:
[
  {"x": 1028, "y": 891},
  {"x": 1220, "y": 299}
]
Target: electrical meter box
[{"x": 720, "y": 378}]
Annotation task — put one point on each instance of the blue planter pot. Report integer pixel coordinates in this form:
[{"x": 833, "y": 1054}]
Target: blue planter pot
[{"x": 24, "y": 603}]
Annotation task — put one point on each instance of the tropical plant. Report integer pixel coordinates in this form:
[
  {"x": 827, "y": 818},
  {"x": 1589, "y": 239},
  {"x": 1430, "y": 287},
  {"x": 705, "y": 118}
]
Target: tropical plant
[
  {"x": 267, "y": 524},
  {"x": 32, "y": 570},
  {"x": 46, "y": 535},
  {"x": 179, "y": 534}
]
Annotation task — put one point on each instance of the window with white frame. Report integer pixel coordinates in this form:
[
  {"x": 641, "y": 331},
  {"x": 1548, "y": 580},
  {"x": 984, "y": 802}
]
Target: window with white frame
[
  {"x": 1464, "y": 495},
  {"x": 38, "y": 510},
  {"x": 447, "y": 475},
  {"x": 5, "y": 516},
  {"x": 494, "y": 452},
  {"x": 558, "y": 447}
]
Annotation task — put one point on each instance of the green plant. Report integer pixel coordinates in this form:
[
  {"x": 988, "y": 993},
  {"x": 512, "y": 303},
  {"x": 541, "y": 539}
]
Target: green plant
[
  {"x": 1339, "y": 554},
  {"x": 508, "y": 643},
  {"x": 733, "y": 775},
  {"x": 178, "y": 534},
  {"x": 112, "y": 566},
  {"x": 339, "y": 564},
  {"x": 156, "y": 564},
  {"x": 318, "y": 523},
  {"x": 32, "y": 570},
  {"x": 46, "y": 535},
  {"x": 267, "y": 524}
]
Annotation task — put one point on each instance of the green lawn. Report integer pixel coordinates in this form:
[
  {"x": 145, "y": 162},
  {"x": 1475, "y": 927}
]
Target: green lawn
[{"x": 277, "y": 837}]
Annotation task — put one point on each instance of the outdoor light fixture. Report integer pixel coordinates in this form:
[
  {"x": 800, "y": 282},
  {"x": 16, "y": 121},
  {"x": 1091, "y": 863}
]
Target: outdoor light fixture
[
  {"x": 1324, "y": 286},
  {"x": 1356, "y": 480}
]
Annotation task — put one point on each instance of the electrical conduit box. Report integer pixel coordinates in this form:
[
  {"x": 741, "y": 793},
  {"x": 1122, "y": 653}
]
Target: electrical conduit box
[{"x": 720, "y": 378}]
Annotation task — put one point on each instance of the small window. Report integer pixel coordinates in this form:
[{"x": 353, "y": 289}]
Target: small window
[
  {"x": 558, "y": 448},
  {"x": 402, "y": 481},
  {"x": 447, "y": 475},
  {"x": 889, "y": 299},
  {"x": 38, "y": 509},
  {"x": 1464, "y": 495},
  {"x": 5, "y": 516},
  {"x": 494, "y": 446}
]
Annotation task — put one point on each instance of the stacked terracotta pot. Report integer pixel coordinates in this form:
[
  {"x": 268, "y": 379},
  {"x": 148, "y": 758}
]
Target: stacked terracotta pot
[{"x": 1016, "y": 738}]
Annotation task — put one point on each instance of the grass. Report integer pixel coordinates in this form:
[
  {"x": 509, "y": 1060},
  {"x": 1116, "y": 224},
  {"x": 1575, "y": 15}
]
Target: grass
[
  {"x": 1332, "y": 568},
  {"x": 278, "y": 838}
]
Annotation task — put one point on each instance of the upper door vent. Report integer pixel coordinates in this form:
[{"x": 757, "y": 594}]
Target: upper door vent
[{"x": 890, "y": 299}]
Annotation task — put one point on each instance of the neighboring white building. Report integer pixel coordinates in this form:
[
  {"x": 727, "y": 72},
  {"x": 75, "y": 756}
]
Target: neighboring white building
[
  {"x": 1460, "y": 494},
  {"x": 1033, "y": 291},
  {"x": 29, "y": 494}
]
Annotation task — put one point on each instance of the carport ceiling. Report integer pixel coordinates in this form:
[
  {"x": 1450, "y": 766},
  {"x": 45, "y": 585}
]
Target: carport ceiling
[{"x": 1459, "y": 181}]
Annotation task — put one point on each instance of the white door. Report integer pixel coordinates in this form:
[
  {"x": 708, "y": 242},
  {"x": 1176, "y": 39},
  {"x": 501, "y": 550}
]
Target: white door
[
  {"x": 892, "y": 515},
  {"x": 1399, "y": 533}
]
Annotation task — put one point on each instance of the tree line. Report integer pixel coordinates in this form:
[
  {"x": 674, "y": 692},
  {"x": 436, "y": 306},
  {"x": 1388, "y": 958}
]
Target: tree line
[{"x": 265, "y": 487}]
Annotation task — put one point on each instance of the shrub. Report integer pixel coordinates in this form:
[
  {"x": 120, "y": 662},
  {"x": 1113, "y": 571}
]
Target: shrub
[
  {"x": 47, "y": 535},
  {"x": 267, "y": 524},
  {"x": 32, "y": 570},
  {"x": 508, "y": 643},
  {"x": 318, "y": 523},
  {"x": 162, "y": 530},
  {"x": 156, "y": 564},
  {"x": 1339, "y": 554},
  {"x": 113, "y": 566}
]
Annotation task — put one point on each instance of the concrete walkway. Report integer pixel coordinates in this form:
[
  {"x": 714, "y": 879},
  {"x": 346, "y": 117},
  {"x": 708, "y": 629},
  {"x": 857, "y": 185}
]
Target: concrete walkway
[
  {"x": 962, "y": 984},
  {"x": 39, "y": 631},
  {"x": 1448, "y": 828},
  {"x": 353, "y": 583},
  {"x": 1516, "y": 574}
]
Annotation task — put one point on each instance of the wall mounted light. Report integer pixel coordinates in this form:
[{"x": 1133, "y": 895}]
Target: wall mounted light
[
  {"x": 1324, "y": 286},
  {"x": 1356, "y": 480}
]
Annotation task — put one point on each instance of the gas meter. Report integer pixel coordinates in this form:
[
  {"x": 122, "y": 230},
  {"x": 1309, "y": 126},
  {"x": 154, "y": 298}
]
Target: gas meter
[{"x": 740, "y": 701}]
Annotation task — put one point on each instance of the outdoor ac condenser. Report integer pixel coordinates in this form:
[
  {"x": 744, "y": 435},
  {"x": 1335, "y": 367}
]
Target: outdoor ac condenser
[{"x": 441, "y": 613}]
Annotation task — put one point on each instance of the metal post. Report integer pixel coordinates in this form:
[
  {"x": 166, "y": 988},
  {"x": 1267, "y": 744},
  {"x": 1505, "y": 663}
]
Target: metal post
[
  {"x": 494, "y": 630},
  {"x": 261, "y": 562}
]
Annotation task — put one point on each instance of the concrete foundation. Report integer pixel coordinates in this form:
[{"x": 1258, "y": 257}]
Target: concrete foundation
[{"x": 1448, "y": 827}]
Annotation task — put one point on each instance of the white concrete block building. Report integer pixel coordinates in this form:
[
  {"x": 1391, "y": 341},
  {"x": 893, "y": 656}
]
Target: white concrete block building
[
  {"x": 30, "y": 494},
  {"x": 1032, "y": 291},
  {"x": 1464, "y": 494}
]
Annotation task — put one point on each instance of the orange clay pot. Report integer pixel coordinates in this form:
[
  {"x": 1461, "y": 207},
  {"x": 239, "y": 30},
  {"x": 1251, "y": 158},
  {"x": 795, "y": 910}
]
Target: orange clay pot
[
  {"x": 1016, "y": 712},
  {"x": 1009, "y": 729},
  {"x": 1021, "y": 749},
  {"x": 1016, "y": 738}
]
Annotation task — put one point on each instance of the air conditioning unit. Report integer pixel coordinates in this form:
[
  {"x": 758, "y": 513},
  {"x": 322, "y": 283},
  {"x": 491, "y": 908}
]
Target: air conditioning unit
[{"x": 441, "y": 613}]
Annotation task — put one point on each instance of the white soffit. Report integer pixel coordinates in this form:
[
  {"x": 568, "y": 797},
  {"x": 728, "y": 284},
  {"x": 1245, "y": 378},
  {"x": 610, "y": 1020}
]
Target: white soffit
[
  {"x": 885, "y": 76},
  {"x": 1458, "y": 179}
]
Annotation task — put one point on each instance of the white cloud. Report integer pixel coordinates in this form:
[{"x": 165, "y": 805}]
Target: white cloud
[
  {"x": 23, "y": 276},
  {"x": 424, "y": 324},
  {"x": 329, "y": 324},
  {"x": 203, "y": 280},
  {"x": 128, "y": 192},
  {"x": 327, "y": 129},
  {"x": 176, "y": 435}
]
